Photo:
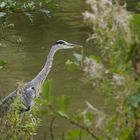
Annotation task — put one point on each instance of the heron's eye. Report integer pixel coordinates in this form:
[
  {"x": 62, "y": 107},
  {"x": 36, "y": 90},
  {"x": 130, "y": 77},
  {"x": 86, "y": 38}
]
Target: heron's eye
[
  {"x": 33, "y": 88},
  {"x": 60, "y": 42}
]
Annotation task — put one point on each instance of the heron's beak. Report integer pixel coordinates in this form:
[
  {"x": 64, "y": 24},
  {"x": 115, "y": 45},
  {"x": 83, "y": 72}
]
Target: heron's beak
[{"x": 75, "y": 45}]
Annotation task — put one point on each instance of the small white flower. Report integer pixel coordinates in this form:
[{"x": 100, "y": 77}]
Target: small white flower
[
  {"x": 118, "y": 79},
  {"x": 92, "y": 68}
]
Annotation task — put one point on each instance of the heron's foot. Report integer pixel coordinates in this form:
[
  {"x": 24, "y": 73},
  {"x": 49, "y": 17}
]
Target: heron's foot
[{"x": 22, "y": 116}]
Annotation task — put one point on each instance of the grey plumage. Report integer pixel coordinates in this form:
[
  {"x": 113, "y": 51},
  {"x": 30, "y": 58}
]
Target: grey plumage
[{"x": 32, "y": 89}]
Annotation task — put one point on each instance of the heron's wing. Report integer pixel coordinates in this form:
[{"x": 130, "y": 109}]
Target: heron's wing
[
  {"x": 28, "y": 96},
  {"x": 6, "y": 102}
]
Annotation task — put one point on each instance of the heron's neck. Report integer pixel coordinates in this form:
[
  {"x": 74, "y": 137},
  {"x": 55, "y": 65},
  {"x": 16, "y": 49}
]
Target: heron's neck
[{"x": 42, "y": 75}]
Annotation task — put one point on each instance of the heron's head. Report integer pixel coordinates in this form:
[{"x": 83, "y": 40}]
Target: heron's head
[{"x": 65, "y": 45}]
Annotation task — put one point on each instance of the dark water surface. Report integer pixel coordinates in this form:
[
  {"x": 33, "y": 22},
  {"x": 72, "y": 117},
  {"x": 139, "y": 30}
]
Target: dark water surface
[{"x": 26, "y": 59}]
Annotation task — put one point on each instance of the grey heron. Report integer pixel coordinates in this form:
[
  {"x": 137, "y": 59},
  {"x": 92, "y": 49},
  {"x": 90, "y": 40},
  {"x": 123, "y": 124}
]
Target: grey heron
[{"x": 32, "y": 89}]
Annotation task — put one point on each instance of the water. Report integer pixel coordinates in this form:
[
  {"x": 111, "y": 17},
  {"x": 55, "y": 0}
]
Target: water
[{"x": 25, "y": 60}]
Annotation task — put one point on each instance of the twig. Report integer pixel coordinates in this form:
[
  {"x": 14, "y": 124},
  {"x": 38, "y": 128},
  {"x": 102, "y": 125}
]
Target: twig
[
  {"x": 51, "y": 129},
  {"x": 72, "y": 121},
  {"x": 80, "y": 135},
  {"x": 5, "y": 39},
  {"x": 63, "y": 136}
]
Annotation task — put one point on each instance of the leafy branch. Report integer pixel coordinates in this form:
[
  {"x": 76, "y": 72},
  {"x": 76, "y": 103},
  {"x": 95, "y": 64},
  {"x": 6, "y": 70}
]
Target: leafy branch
[
  {"x": 20, "y": 7},
  {"x": 72, "y": 121}
]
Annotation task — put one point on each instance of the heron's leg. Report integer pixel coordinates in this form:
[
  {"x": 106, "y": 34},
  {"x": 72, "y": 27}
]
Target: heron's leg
[
  {"x": 22, "y": 112},
  {"x": 31, "y": 116},
  {"x": 22, "y": 115}
]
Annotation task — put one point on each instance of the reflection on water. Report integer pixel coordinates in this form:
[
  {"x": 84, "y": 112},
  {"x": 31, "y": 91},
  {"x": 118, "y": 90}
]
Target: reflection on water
[{"x": 26, "y": 59}]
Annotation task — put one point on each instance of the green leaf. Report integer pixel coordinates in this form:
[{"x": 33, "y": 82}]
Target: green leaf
[
  {"x": 134, "y": 100},
  {"x": 44, "y": 111},
  {"x": 46, "y": 12},
  {"x": 63, "y": 103},
  {"x": 135, "y": 24},
  {"x": 2, "y": 63},
  {"x": 79, "y": 57},
  {"x": 90, "y": 116},
  {"x": 75, "y": 133},
  {"x": 30, "y": 16},
  {"x": 78, "y": 118},
  {"x": 2, "y": 4},
  {"x": 62, "y": 114},
  {"x": 2, "y": 45},
  {"x": 111, "y": 124},
  {"x": 71, "y": 66},
  {"x": 46, "y": 90},
  {"x": 95, "y": 57},
  {"x": 2, "y": 14},
  {"x": 40, "y": 101},
  {"x": 126, "y": 134}
]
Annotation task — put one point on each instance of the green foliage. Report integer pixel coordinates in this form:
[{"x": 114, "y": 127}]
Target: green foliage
[
  {"x": 63, "y": 103},
  {"x": 138, "y": 5},
  {"x": 80, "y": 120},
  {"x": 25, "y": 7},
  {"x": 75, "y": 133},
  {"x": 116, "y": 34},
  {"x": 46, "y": 90},
  {"x": 76, "y": 63},
  {"x": 71, "y": 66},
  {"x": 134, "y": 101},
  {"x": 135, "y": 22},
  {"x": 2, "y": 63},
  {"x": 12, "y": 5},
  {"x": 113, "y": 73},
  {"x": 15, "y": 125}
]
